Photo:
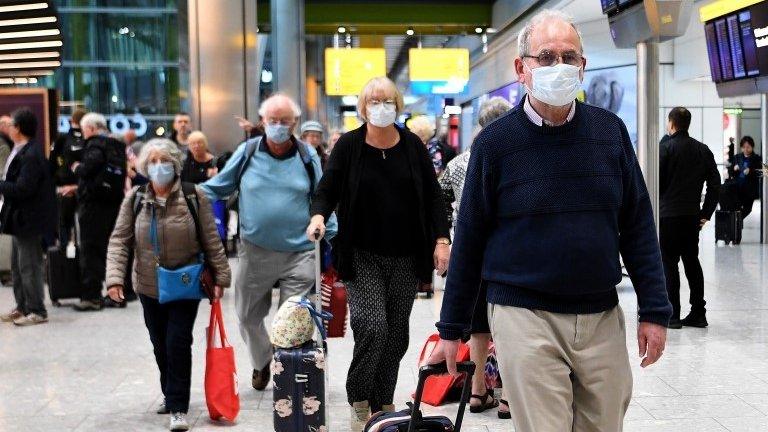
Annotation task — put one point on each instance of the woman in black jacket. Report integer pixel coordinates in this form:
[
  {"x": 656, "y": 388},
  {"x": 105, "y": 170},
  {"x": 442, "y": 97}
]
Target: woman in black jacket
[
  {"x": 746, "y": 167},
  {"x": 393, "y": 232}
]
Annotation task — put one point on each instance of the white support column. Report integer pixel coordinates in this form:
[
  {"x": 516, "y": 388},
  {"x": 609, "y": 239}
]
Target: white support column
[{"x": 648, "y": 118}]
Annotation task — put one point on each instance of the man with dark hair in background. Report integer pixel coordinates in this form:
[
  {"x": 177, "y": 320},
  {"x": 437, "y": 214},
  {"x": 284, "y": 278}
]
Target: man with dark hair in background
[
  {"x": 686, "y": 164},
  {"x": 29, "y": 215},
  {"x": 67, "y": 149},
  {"x": 182, "y": 127}
]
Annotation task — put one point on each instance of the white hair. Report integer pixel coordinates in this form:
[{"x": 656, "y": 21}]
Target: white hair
[
  {"x": 165, "y": 147},
  {"x": 422, "y": 127},
  {"x": 95, "y": 120},
  {"x": 492, "y": 109},
  {"x": 277, "y": 97},
  {"x": 524, "y": 38}
]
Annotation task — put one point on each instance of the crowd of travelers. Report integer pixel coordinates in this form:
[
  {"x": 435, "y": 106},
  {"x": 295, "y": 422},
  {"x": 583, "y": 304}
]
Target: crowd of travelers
[{"x": 531, "y": 242}]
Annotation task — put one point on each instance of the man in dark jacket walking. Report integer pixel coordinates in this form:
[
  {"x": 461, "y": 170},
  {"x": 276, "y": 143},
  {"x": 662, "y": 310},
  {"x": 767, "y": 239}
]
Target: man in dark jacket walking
[
  {"x": 686, "y": 164},
  {"x": 29, "y": 215},
  {"x": 100, "y": 192}
]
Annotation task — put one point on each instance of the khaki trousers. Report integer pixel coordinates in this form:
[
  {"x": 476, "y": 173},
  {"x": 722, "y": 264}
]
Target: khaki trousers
[{"x": 563, "y": 372}]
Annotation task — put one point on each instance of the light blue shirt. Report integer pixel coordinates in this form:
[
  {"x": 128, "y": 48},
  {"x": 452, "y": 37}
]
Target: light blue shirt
[{"x": 274, "y": 198}]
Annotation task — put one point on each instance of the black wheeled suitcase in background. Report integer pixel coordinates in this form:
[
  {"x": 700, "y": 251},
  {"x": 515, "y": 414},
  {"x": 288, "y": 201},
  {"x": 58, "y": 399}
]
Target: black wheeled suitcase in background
[
  {"x": 63, "y": 276},
  {"x": 728, "y": 226},
  {"x": 729, "y": 196}
]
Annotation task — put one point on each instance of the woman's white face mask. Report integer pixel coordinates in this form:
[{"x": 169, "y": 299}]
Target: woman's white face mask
[{"x": 381, "y": 114}]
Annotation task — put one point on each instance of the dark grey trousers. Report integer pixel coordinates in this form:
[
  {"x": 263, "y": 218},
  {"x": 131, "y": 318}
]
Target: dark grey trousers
[
  {"x": 380, "y": 302},
  {"x": 27, "y": 271}
]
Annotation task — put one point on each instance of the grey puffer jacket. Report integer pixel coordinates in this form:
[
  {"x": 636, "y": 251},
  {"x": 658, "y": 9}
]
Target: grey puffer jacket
[{"x": 179, "y": 245}]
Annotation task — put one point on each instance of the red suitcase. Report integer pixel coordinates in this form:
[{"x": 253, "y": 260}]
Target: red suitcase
[{"x": 334, "y": 296}]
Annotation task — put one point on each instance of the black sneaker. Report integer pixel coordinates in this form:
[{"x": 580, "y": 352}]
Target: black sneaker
[
  {"x": 675, "y": 323},
  {"x": 89, "y": 305},
  {"x": 260, "y": 379},
  {"x": 109, "y": 303},
  {"x": 695, "y": 320}
]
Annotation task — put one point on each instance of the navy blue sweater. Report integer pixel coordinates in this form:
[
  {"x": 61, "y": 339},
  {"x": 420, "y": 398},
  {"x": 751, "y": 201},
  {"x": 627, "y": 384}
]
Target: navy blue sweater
[{"x": 545, "y": 214}]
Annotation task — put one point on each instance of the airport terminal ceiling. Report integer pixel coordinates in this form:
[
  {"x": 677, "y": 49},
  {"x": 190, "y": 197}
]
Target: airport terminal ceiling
[{"x": 389, "y": 17}]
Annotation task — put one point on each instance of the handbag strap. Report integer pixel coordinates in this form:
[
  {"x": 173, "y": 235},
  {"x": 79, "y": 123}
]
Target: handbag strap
[
  {"x": 153, "y": 235},
  {"x": 317, "y": 317},
  {"x": 217, "y": 320}
]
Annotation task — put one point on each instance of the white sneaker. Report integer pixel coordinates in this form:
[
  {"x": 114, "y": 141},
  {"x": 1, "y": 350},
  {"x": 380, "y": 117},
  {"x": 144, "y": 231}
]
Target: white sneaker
[
  {"x": 30, "y": 320},
  {"x": 179, "y": 422}
]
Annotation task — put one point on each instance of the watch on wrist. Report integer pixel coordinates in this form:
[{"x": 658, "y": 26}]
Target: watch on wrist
[{"x": 444, "y": 241}]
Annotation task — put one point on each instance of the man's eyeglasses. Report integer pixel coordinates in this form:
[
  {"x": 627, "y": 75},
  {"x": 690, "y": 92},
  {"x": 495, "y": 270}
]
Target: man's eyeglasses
[
  {"x": 549, "y": 58},
  {"x": 283, "y": 122}
]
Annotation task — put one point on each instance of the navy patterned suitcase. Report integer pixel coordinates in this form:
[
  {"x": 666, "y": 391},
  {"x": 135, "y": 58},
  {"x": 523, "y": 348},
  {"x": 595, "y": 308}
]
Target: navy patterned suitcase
[
  {"x": 299, "y": 379},
  {"x": 299, "y": 390}
]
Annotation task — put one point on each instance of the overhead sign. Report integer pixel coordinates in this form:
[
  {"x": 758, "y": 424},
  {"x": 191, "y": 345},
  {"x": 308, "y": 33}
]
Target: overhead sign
[
  {"x": 723, "y": 7},
  {"x": 438, "y": 64},
  {"x": 347, "y": 70}
]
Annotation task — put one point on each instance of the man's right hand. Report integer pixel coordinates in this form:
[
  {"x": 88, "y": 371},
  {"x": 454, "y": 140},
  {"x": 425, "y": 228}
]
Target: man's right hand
[
  {"x": 445, "y": 351},
  {"x": 115, "y": 292},
  {"x": 317, "y": 223}
]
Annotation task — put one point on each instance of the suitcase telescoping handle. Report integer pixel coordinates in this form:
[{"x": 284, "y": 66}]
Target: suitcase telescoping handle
[
  {"x": 318, "y": 285},
  {"x": 467, "y": 368}
]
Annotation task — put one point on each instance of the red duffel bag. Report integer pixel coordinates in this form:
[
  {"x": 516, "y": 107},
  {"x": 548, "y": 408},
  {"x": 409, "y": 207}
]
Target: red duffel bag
[
  {"x": 334, "y": 295},
  {"x": 436, "y": 387},
  {"x": 221, "y": 394}
]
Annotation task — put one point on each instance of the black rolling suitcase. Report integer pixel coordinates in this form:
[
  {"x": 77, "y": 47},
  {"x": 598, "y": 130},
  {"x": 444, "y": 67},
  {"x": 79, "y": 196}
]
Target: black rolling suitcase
[
  {"x": 728, "y": 226},
  {"x": 63, "y": 276},
  {"x": 300, "y": 380},
  {"x": 412, "y": 420},
  {"x": 729, "y": 196}
]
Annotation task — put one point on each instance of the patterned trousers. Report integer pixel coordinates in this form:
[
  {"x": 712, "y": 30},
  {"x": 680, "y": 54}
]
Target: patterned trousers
[{"x": 380, "y": 302}]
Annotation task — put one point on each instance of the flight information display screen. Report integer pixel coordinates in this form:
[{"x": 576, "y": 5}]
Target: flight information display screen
[
  {"x": 734, "y": 44},
  {"x": 609, "y": 5}
]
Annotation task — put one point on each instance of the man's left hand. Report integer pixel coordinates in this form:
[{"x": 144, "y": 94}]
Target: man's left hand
[{"x": 651, "y": 340}]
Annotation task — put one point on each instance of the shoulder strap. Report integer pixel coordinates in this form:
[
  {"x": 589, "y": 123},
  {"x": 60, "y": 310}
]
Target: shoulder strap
[
  {"x": 250, "y": 149},
  {"x": 193, "y": 203},
  {"x": 138, "y": 201},
  {"x": 307, "y": 160}
]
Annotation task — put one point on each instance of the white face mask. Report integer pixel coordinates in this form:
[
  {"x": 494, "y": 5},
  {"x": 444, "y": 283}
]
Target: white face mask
[
  {"x": 555, "y": 85},
  {"x": 381, "y": 115}
]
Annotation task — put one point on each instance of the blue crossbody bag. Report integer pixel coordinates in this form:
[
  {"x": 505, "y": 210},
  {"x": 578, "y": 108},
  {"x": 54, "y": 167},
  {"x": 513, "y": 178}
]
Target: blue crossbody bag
[{"x": 178, "y": 284}]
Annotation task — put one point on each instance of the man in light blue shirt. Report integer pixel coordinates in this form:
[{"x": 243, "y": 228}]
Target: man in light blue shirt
[{"x": 274, "y": 202}]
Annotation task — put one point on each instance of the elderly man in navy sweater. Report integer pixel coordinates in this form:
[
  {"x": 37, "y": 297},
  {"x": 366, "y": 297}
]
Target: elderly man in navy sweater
[{"x": 553, "y": 196}]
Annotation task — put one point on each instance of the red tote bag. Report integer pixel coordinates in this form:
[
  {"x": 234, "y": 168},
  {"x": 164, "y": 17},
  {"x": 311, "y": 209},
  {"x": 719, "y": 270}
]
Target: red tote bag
[
  {"x": 221, "y": 394},
  {"x": 436, "y": 387}
]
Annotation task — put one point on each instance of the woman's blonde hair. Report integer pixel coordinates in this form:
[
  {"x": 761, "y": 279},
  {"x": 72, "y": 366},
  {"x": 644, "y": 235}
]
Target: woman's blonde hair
[
  {"x": 165, "y": 147},
  {"x": 373, "y": 86},
  {"x": 198, "y": 136},
  {"x": 422, "y": 127}
]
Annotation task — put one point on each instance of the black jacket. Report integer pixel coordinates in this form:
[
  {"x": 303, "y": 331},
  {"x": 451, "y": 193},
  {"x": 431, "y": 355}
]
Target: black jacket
[
  {"x": 67, "y": 149},
  {"x": 99, "y": 151},
  {"x": 338, "y": 187},
  {"x": 685, "y": 165},
  {"x": 29, "y": 206},
  {"x": 750, "y": 187}
]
